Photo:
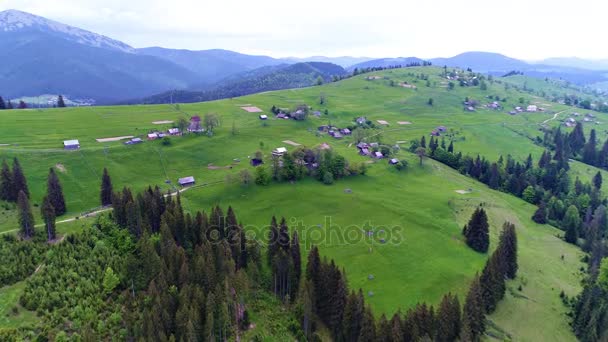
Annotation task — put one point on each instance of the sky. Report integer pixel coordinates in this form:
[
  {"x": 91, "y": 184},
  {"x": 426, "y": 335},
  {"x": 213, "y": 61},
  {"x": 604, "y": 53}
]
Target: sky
[{"x": 525, "y": 29}]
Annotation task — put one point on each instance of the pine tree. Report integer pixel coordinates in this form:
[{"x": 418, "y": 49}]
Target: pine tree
[
  {"x": 597, "y": 180},
  {"x": 476, "y": 232},
  {"x": 26, "y": 218},
  {"x": 273, "y": 237},
  {"x": 571, "y": 224},
  {"x": 106, "y": 188},
  {"x": 2, "y": 104},
  {"x": 423, "y": 142},
  {"x": 494, "y": 177},
  {"x": 353, "y": 316},
  {"x": 473, "y": 324},
  {"x": 368, "y": 327},
  {"x": 451, "y": 147},
  {"x": 296, "y": 260},
  {"x": 448, "y": 319},
  {"x": 55, "y": 193},
  {"x": 590, "y": 151},
  {"x": 507, "y": 248},
  {"x": 60, "y": 101},
  {"x": 283, "y": 239},
  {"x": 492, "y": 282},
  {"x": 48, "y": 215},
  {"x": 9, "y": 105},
  {"x": 19, "y": 181},
  {"x": 576, "y": 138},
  {"x": 602, "y": 159},
  {"x": 6, "y": 183},
  {"x": 540, "y": 215}
]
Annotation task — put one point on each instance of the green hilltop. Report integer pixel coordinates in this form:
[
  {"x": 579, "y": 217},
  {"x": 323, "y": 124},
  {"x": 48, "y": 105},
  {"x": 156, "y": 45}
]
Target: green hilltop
[{"x": 428, "y": 203}]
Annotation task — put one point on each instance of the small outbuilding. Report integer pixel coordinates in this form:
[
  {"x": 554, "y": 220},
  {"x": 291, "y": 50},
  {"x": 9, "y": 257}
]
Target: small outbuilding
[
  {"x": 71, "y": 144},
  {"x": 186, "y": 181},
  {"x": 263, "y": 116},
  {"x": 279, "y": 151},
  {"x": 152, "y": 136},
  {"x": 393, "y": 161},
  {"x": 378, "y": 155},
  {"x": 174, "y": 131}
]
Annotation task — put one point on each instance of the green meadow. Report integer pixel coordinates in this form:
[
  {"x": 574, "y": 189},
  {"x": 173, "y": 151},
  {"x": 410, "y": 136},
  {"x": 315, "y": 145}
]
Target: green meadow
[{"x": 417, "y": 212}]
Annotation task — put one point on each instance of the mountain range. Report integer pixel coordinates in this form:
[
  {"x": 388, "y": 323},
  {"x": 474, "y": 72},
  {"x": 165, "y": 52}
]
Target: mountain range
[{"x": 42, "y": 56}]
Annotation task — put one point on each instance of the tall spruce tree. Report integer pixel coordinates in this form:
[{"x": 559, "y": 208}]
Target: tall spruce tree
[
  {"x": 576, "y": 139},
  {"x": 60, "y": 101},
  {"x": 19, "y": 181},
  {"x": 368, "y": 327},
  {"x": 476, "y": 232},
  {"x": 473, "y": 318},
  {"x": 590, "y": 149},
  {"x": 296, "y": 261},
  {"x": 55, "y": 193},
  {"x": 273, "y": 237},
  {"x": 492, "y": 282},
  {"x": 540, "y": 215},
  {"x": 106, "y": 188},
  {"x": 48, "y": 215},
  {"x": 597, "y": 180},
  {"x": 571, "y": 223},
  {"x": 26, "y": 218},
  {"x": 2, "y": 104},
  {"x": 6, "y": 183},
  {"x": 507, "y": 248},
  {"x": 448, "y": 319}
]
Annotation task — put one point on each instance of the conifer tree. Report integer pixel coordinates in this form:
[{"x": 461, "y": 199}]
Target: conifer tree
[
  {"x": 2, "y": 104},
  {"x": 55, "y": 193},
  {"x": 451, "y": 147},
  {"x": 473, "y": 324},
  {"x": 26, "y": 218},
  {"x": 353, "y": 316},
  {"x": 589, "y": 151},
  {"x": 48, "y": 215},
  {"x": 507, "y": 248},
  {"x": 296, "y": 261},
  {"x": 423, "y": 142},
  {"x": 273, "y": 236},
  {"x": 9, "y": 105},
  {"x": 540, "y": 215},
  {"x": 576, "y": 138},
  {"x": 106, "y": 188},
  {"x": 19, "y": 181},
  {"x": 476, "y": 232},
  {"x": 492, "y": 282},
  {"x": 60, "y": 101},
  {"x": 6, "y": 183},
  {"x": 597, "y": 180},
  {"x": 283, "y": 239},
  {"x": 571, "y": 224},
  {"x": 368, "y": 327},
  {"x": 448, "y": 319}
]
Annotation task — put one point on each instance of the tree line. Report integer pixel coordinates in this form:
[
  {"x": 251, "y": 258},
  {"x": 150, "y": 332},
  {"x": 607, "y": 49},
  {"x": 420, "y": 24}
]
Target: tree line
[
  {"x": 324, "y": 295},
  {"x": 14, "y": 188},
  {"x": 546, "y": 184}
]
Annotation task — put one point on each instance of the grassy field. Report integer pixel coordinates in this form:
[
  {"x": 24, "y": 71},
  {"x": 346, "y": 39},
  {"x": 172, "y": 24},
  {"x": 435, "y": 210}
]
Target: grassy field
[{"x": 421, "y": 263}]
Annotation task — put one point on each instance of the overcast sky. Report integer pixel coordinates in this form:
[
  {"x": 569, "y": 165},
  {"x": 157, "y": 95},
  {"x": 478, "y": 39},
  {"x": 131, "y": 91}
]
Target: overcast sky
[{"x": 526, "y": 29}]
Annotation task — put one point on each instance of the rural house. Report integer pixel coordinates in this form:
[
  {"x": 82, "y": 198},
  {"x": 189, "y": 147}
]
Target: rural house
[
  {"x": 263, "y": 116},
  {"x": 174, "y": 131},
  {"x": 378, "y": 155},
  {"x": 393, "y": 161},
  {"x": 279, "y": 151},
  {"x": 71, "y": 144},
  {"x": 186, "y": 181},
  {"x": 361, "y": 120},
  {"x": 195, "y": 124},
  {"x": 532, "y": 108},
  {"x": 152, "y": 136}
]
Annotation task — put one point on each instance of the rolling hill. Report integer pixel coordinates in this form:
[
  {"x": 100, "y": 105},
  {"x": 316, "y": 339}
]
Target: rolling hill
[
  {"x": 429, "y": 261},
  {"x": 211, "y": 65},
  {"x": 263, "y": 79},
  {"x": 387, "y": 62}
]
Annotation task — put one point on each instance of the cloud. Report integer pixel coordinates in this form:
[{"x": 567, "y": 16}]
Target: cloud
[{"x": 519, "y": 28}]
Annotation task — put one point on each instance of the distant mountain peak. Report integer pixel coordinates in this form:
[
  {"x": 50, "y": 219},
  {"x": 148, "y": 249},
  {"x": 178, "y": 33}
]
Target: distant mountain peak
[{"x": 12, "y": 21}]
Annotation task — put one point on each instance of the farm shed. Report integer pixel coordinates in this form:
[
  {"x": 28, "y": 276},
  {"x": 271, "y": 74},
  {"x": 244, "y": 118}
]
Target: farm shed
[
  {"x": 186, "y": 181},
  {"x": 71, "y": 144}
]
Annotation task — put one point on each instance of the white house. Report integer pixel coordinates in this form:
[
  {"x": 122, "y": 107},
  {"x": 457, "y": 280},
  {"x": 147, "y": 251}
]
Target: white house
[
  {"x": 532, "y": 108},
  {"x": 279, "y": 151}
]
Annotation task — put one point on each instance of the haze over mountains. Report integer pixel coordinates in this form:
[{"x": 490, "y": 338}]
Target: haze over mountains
[{"x": 40, "y": 56}]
